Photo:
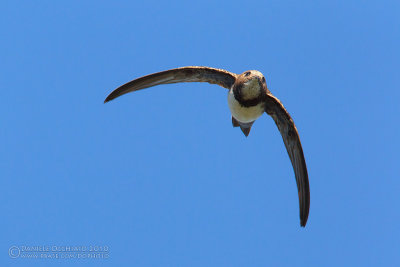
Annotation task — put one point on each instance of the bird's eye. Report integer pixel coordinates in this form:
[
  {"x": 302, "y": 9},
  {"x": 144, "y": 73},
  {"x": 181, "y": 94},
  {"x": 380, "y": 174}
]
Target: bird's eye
[
  {"x": 247, "y": 73},
  {"x": 263, "y": 79}
]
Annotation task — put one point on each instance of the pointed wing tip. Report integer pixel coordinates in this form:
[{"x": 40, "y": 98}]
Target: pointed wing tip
[
  {"x": 109, "y": 98},
  {"x": 305, "y": 206},
  {"x": 303, "y": 219}
]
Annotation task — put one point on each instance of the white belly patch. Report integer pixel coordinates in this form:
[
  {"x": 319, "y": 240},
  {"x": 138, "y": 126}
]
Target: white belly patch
[{"x": 244, "y": 114}]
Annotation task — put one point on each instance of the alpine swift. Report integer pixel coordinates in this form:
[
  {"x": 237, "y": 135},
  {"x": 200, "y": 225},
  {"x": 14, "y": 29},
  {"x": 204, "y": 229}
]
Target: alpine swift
[{"x": 248, "y": 99}]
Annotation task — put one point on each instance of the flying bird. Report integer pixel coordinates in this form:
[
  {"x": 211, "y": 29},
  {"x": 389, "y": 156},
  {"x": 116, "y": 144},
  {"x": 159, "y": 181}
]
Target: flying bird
[{"x": 248, "y": 99}]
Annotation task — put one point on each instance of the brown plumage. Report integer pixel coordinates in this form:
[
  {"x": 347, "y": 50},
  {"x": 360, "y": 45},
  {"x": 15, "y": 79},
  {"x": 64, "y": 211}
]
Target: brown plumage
[
  {"x": 186, "y": 74},
  {"x": 248, "y": 98}
]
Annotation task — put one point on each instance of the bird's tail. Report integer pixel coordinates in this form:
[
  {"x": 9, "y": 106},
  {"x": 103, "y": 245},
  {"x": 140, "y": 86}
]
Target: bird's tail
[{"x": 245, "y": 127}]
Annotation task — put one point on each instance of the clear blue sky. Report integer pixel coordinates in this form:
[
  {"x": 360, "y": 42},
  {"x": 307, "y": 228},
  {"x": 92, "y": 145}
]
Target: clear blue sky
[{"x": 160, "y": 176}]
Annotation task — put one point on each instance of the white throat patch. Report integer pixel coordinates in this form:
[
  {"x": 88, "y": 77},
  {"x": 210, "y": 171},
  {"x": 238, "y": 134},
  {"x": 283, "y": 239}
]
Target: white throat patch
[{"x": 250, "y": 89}]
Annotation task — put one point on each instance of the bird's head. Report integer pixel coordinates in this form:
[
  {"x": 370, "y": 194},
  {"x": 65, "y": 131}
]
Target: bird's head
[{"x": 250, "y": 86}]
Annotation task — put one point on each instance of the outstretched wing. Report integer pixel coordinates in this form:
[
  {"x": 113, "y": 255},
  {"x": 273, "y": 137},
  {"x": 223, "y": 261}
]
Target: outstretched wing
[
  {"x": 185, "y": 74},
  {"x": 291, "y": 138}
]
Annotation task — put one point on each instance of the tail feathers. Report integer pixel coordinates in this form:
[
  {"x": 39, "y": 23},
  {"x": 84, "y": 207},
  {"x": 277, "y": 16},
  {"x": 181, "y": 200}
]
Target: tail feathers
[
  {"x": 244, "y": 126},
  {"x": 246, "y": 131},
  {"x": 235, "y": 123}
]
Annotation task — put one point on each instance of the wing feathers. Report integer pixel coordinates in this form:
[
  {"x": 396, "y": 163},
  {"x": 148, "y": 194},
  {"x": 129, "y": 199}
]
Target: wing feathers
[
  {"x": 185, "y": 74},
  {"x": 292, "y": 142}
]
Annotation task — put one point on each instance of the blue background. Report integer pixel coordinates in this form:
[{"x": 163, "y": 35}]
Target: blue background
[{"x": 160, "y": 176}]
